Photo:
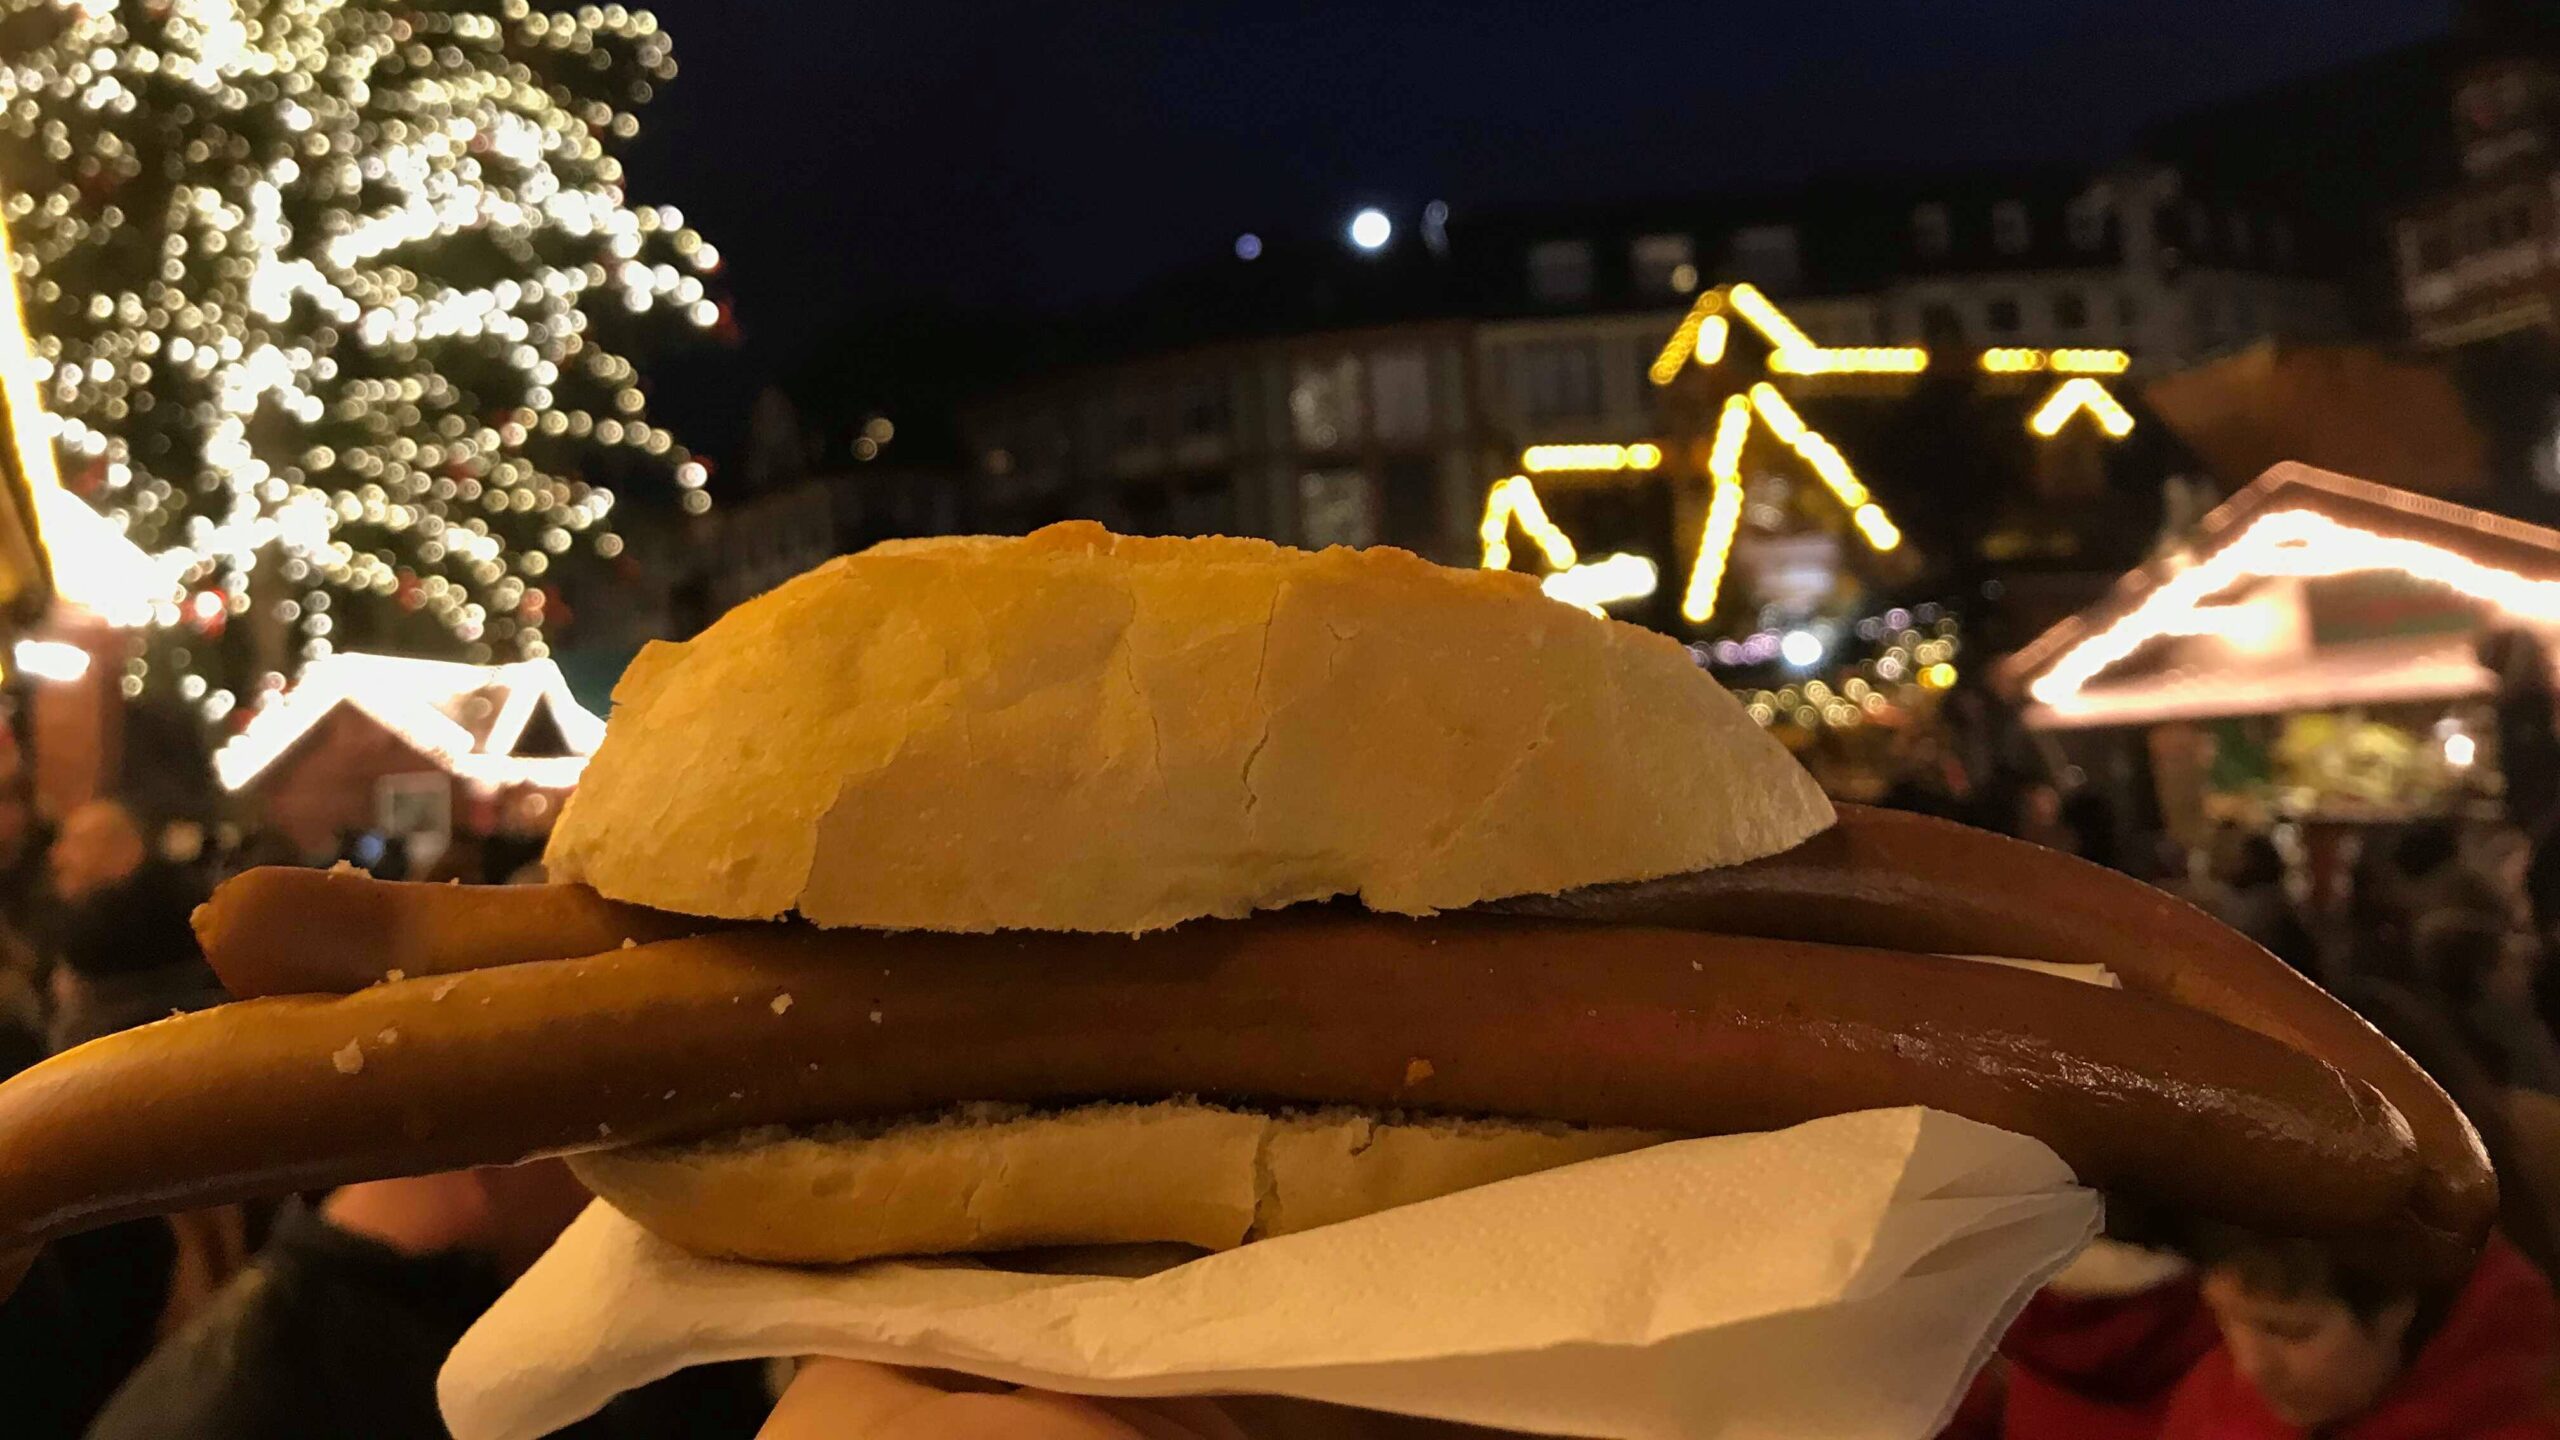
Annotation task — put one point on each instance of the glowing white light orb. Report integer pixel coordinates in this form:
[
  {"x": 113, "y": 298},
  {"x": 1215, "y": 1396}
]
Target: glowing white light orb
[
  {"x": 1371, "y": 229},
  {"x": 1801, "y": 648}
]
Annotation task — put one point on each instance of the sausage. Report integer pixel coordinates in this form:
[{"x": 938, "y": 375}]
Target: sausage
[
  {"x": 1885, "y": 878},
  {"x": 1600, "y": 1025},
  {"x": 278, "y": 930}
]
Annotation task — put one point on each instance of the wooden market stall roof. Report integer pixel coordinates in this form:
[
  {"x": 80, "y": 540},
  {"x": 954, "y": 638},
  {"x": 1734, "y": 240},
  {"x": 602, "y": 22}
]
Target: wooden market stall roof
[
  {"x": 2346, "y": 408},
  {"x": 2293, "y": 523}
]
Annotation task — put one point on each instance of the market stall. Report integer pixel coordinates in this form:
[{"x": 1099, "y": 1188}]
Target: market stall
[{"x": 2309, "y": 652}]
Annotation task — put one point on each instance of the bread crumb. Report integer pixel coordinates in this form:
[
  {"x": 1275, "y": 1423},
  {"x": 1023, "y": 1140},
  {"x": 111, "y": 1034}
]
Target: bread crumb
[
  {"x": 444, "y": 989},
  {"x": 346, "y": 867},
  {"x": 389, "y": 1036},
  {"x": 1592, "y": 1014},
  {"x": 737, "y": 1094},
  {"x": 1417, "y": 1070},
  {"x": 630, "y": 943},
  {"x": 670, "y": 1095},
  {"x": 394, "y": 973},
  {"x": 603, "y": 1131},
  {"x": 349, "y": 1060},
  {"x": 782, "y": 1002},
  {"x": 875, "y": 1017}
]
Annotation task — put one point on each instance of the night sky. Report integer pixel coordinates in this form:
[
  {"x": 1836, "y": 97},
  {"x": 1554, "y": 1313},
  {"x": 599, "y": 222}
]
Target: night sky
[{"x": 850, "y": 155}]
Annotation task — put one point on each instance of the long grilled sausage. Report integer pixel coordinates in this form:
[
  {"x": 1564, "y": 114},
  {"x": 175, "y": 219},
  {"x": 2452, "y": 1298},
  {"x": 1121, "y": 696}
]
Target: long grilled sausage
[
  {"x": 280, "y": 930},
  {"x": 1691, "y": 1033},
  {"x": 1884, "y": 878}
]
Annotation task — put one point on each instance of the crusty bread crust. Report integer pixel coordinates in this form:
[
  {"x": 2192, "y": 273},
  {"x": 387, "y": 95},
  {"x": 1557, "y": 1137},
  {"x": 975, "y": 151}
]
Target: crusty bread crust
[{"x": 1081, "y": 731}]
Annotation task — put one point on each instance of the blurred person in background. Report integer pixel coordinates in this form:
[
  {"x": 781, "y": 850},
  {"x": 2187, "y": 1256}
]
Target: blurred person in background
[
  {"x": 2248, "y": 894},
  {"x": 2313, "y": 1344},
  {"x": 338, "y": 1327},
  {"x": 123, "y": 945},
  {"x": 2096, "y": 1353},
  {"x": 93, "y": 1305},
  {"x": 2483, "y": 972}
]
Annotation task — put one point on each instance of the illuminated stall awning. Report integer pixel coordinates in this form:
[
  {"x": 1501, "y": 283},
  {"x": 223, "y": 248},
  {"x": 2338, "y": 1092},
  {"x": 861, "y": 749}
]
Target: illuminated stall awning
[
  {"x": 473, "y": 720},
  {"x": 2307, "y": 590}
]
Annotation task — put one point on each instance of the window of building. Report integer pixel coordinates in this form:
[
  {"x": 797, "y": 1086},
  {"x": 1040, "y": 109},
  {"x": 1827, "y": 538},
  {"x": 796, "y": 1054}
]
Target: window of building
[
  {"x": 1204, "y": 411},
  {"x": 2071, "y": 310},
  {"x": 2011, "y": 233},
  {"x": 1203, "y": 505},
  {"x": 2435, "y": 248},
  {"x": 1336, "y": 507},
  {"x": 1400, "y": 396},
  {"x": 1933, "y": 230},
  {"x": 1560, "y": 271},
  {"x": 2090, "y": 220},
  {"x": 1941, "y": 324},
  {"x": 1664, "y": 265},
  {"x": 2001, "y": 315},
  {"x": 1324, "y": 403},
  {"x": 1557, "y": 380},
  {"x": 1767, "y": 255}
]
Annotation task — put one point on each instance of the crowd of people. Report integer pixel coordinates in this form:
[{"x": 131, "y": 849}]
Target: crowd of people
[{"x": 327, "y": 1315}]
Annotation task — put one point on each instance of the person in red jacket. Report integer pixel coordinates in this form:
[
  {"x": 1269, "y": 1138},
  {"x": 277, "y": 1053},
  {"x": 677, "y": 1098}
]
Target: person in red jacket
[
  {"x": 2314, "y": 1346},
  {"x": 2096, "y": 1353}
]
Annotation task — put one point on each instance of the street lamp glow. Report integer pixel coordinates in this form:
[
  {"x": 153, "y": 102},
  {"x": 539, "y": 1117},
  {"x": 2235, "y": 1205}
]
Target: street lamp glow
[
  {"x": 1801, "y": 649},
  {"x": 1371, "y": 229}
]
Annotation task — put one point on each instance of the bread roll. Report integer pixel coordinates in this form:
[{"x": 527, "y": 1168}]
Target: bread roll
[
  {"x": 1005, "y": 1178},
  {"x": 1082, "y": 731}
]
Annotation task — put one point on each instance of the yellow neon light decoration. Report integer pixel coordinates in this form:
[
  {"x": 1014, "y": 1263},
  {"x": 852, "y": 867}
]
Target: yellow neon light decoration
[
  {"x": 2073, "y": 396},
  {"x": 1715, "y": 548},
  {"x": 2017, "y": 360},
  {"x": 1516, "y": 498},
  {"x": 1713, "y": 334},
  {"x": 1684, "y": 340},
  {"x": 1546, "y": 459},
  {"x": 1604, "y": 581},
  {"x": 1854, "y": 360},
  {"x": 1776, "y": 413},
  {"x": 2090, "y": 362},
  {"x": 1724, "y": 457},
  {"x": 1872, "y": 522},
  {"x": 1769, "y": 320}
]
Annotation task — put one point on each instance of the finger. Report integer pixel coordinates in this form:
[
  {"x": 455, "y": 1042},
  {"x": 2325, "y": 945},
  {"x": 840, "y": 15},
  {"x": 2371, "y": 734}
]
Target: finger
[
  {"x": 831, "y": 1399},
  {"x": 1022, "y": 1415},
  {"x": 1181, "y": 1418}
]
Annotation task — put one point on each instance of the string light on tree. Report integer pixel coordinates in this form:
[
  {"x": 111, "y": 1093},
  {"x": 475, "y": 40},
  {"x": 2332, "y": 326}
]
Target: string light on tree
[{"x": 329, "y": 301}]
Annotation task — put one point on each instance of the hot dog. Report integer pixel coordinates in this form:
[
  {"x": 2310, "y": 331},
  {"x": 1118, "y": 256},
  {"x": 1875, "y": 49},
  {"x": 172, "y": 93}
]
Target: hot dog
[
  {"x": 916, "y": 803},
  {"x": 1616, "y": 1026}
]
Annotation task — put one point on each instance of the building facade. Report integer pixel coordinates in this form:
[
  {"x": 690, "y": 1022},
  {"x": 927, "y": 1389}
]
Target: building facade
[{"x": 1548, "y": 326}]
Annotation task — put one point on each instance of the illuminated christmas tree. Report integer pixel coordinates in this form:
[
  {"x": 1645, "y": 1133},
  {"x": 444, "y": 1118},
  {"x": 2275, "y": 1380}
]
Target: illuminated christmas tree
[{"x": 330, "y": 302}]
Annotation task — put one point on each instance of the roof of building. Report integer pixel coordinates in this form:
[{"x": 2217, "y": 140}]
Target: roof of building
[
  {"x": 494, "y": 726},
  {"x": 2346, "y": 408},
  {"x": 2293, "y": 522}
]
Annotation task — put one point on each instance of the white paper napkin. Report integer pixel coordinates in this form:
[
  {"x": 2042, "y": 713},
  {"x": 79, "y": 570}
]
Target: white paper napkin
[{"x": 1842, "y": 1278}]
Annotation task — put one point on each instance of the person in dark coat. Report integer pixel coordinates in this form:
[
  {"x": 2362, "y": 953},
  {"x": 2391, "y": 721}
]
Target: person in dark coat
[{"x": 339, "y": 1326}]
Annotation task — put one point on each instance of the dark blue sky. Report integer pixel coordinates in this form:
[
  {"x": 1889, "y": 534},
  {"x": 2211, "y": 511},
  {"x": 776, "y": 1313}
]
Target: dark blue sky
[{"x": 853, "y": 153}]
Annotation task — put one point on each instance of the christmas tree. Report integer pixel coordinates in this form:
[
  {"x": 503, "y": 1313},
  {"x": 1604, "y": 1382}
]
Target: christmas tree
[{"x": 330, "y": 302}]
